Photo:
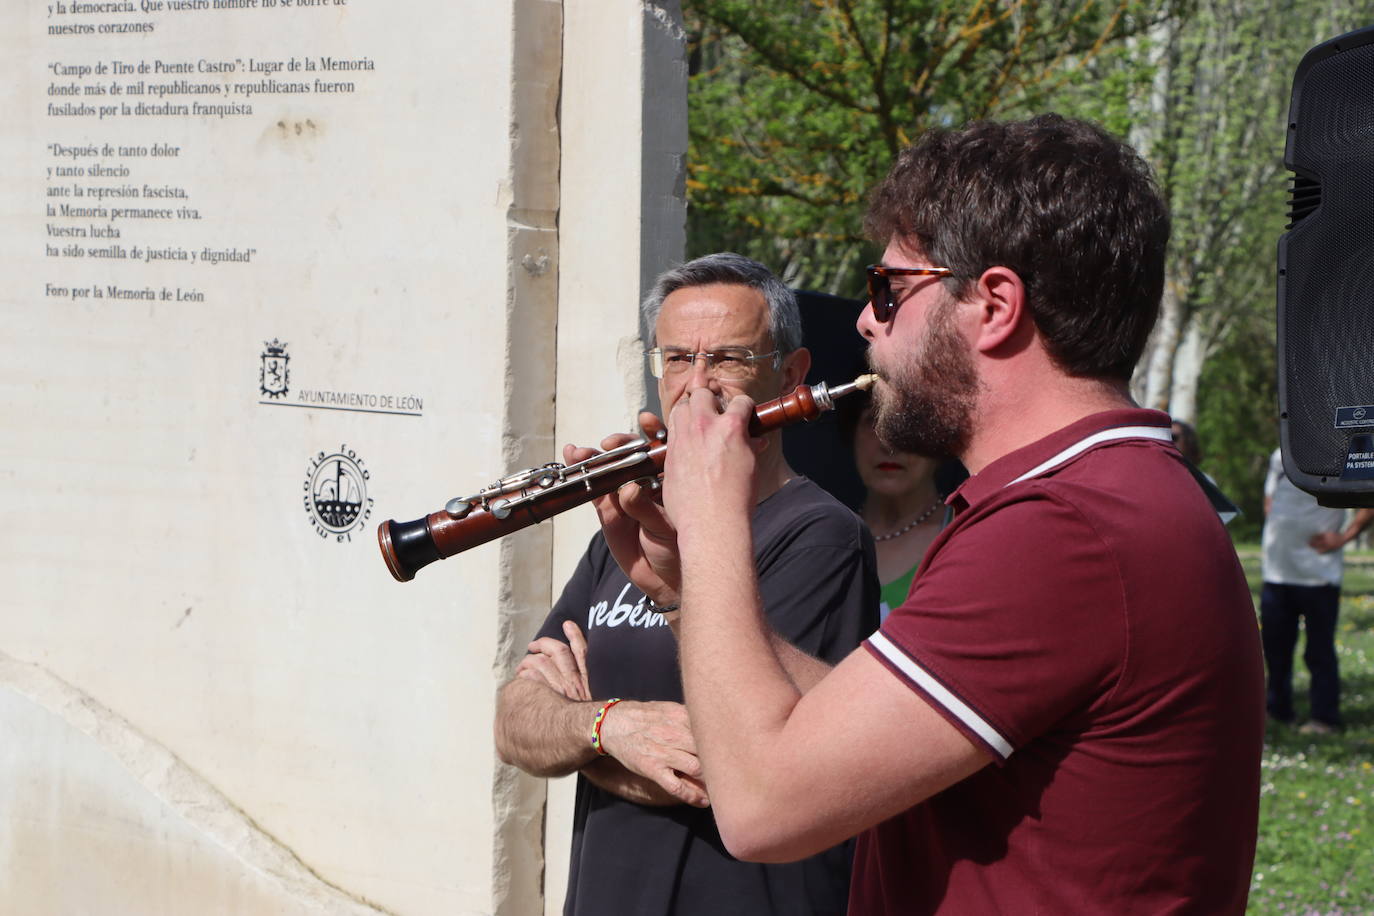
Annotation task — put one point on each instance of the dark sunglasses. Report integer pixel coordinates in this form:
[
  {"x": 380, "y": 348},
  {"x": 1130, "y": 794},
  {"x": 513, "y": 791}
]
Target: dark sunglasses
[{"x": 880, "y": 286}]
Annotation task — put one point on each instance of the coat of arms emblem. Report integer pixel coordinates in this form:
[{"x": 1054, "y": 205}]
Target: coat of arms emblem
[{"x": 274, "y": 377}]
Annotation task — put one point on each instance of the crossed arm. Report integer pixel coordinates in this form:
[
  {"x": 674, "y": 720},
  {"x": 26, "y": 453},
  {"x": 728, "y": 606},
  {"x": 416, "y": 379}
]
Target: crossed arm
[{"x": 544, "y": 722}]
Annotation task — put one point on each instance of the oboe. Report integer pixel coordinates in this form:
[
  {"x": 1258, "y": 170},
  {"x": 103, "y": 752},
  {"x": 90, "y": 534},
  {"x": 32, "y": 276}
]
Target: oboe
[{"x": 527, "y": 497}]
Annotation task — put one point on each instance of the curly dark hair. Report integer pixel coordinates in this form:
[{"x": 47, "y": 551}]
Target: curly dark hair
[{"x": 1074, "y": 211}]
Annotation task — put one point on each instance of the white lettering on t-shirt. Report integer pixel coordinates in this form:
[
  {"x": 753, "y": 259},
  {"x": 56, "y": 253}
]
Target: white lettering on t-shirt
[
  {"x": 603, "y": 614},
  {"x": 622, "y": 610},
  {"x": 596, "y": 612}
]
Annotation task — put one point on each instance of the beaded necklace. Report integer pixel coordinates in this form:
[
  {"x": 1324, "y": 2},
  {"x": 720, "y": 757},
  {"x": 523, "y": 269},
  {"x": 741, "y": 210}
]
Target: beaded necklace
[{"x": 912, "y": 524}]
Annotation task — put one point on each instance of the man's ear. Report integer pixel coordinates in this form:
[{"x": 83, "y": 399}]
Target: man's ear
[
  {"x": 1002, "y": 312},
  {"x": 795, "y": 365}
]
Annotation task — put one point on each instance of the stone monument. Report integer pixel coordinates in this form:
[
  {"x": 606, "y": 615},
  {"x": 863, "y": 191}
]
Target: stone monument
[{"x": 279, "y": 270}]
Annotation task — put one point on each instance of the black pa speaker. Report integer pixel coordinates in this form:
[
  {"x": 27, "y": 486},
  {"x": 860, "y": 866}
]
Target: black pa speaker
[{"x": 1326, "y": 275}]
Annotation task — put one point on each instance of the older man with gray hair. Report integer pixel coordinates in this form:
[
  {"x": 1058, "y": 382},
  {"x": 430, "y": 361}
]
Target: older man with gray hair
[{"x": 601, "y": 694}]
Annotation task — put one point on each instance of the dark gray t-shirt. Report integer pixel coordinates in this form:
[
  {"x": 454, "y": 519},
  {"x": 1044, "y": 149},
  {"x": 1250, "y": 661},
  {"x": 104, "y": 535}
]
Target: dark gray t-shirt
[{"x": 818, "y": 582}]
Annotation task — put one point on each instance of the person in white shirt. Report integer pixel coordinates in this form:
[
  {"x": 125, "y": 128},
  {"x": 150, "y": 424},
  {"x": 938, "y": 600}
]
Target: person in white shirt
[{"x": 1302, "y": 562}]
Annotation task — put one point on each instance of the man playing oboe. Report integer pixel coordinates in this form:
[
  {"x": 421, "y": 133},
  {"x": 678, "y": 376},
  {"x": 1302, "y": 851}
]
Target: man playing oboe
[
  {"x": 1066, "y": 715},
  {"x": 610, "y": 707}
]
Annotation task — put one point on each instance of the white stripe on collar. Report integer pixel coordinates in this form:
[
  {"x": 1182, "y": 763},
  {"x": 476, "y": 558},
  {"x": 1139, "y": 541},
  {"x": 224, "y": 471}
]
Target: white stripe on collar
[{"x": 1157, "y": 433}]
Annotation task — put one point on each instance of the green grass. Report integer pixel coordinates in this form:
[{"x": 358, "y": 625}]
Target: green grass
[{"x": 1316, "y": 834}]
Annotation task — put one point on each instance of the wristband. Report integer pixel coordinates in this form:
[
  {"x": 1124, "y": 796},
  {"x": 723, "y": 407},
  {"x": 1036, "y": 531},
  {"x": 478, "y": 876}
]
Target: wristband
[
  {"x": 664, "y": 608},
  {"x": 596, "y": 726}
]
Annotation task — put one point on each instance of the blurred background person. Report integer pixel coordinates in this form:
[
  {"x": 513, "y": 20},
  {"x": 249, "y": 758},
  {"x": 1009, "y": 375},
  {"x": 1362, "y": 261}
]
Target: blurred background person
[
  {"x": 1186, "y": 441},
  {"x": 1190, "y": 447},
  {"x": 1302, "y": 557}
]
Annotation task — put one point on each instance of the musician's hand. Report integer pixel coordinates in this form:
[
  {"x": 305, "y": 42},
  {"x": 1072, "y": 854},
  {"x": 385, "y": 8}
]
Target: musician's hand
[
  {"x": 637, "y": 529},
  {"x": 654, "y": 739},
  {"x": 558, "y": 665},
  {"x": 711, "y": 460}
]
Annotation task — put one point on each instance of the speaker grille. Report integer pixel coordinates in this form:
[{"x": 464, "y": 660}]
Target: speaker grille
[
  {"x": 1304, "y": 196},
  {"x": 1328, "y": 344}
]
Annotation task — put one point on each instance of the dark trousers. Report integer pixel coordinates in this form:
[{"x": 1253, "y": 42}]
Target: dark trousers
[{"x": 1280, "y": 608}]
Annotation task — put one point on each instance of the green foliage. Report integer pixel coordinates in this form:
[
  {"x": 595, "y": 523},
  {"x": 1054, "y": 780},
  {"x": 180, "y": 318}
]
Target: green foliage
[{"x": 797, "y": 110}]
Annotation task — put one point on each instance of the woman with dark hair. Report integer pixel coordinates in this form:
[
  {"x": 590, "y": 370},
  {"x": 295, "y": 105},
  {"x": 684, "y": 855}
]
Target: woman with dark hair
[{"x": 904, "y": 506}]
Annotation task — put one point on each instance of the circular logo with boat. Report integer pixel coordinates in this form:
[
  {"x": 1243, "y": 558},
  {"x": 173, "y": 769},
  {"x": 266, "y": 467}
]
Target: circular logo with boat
[{"x": 336, "y": 499}]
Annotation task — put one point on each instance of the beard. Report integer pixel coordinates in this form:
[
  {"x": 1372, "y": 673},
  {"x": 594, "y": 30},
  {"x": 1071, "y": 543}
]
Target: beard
[{"x": 927, "y": 405}]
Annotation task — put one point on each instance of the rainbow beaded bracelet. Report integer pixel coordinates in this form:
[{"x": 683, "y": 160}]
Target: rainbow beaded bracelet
[{"x": 596, "y": 726}]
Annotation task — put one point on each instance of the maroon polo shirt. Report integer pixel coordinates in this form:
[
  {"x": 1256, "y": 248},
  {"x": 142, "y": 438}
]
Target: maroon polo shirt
[{"x": 1090, "y": 626}]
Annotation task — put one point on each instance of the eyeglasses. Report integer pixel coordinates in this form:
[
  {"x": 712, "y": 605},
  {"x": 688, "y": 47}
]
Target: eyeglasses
[
  {"x": 880, "y": 286},
  {"x": 726, "y": 362}
]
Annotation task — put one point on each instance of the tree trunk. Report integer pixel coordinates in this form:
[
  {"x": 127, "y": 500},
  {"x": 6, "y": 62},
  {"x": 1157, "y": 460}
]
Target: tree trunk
[
  {"x": 1188, "y": 361},
  {"x": 1159, "y": 366}
]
